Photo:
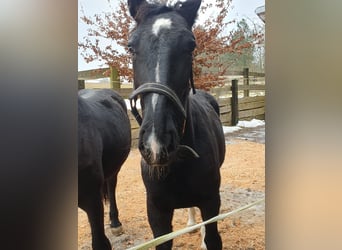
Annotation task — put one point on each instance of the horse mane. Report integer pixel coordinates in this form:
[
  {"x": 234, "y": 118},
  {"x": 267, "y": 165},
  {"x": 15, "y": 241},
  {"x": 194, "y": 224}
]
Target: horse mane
[{"x": 185, "y": 9}]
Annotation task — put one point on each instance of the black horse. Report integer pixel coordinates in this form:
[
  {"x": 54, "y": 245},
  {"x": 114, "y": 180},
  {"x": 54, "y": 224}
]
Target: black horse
[
  {"x": 181, "y": 138},
  {"x": 104, "y": 141}
]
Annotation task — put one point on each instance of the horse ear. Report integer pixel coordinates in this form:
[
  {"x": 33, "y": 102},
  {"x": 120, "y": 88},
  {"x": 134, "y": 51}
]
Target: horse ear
[
  {"x": 134, "y": 6},
  {"x": 188, "y": 10}
]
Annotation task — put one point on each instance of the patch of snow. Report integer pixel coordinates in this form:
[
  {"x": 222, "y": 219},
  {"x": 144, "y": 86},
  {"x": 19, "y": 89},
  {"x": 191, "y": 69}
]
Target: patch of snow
[
  {"x": 230, "y": 129},
  {"x": 251, "y": 124},
  {"x": 243, "y": 124}
]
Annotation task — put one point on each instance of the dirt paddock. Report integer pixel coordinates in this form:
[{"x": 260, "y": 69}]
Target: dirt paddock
[{"x": 243, "y": 182}]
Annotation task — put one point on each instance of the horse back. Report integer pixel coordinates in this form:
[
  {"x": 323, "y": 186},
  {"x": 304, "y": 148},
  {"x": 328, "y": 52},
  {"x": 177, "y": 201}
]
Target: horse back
[
  {"x": 103, "y": 120},
  {"x": 108, "y": 111}
]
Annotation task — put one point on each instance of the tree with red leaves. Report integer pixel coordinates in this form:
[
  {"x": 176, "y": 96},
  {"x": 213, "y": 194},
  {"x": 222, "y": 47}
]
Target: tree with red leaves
[
  {"x": 212, "y": 38},
  {"x": 107, "y": 38}
]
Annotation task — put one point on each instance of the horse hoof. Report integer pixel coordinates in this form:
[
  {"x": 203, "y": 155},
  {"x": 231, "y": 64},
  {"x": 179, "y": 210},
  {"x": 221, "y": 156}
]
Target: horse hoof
[{"x": 116, "y": 230}]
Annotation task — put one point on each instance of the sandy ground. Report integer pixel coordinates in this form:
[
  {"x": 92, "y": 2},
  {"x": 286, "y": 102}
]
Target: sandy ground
[{"x": 243, "y": 182}]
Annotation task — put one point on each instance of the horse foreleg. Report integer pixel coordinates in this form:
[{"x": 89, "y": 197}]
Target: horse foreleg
[
  {"x": 160, "y": 222},
  {"x": 115, "y": 224},
  {"x": 212, "y": 239}
]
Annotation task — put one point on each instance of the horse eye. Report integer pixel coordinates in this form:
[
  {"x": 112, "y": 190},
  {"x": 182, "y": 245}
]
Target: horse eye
[
  {"x": 130, "y": 48},
  {"x": 130, "y": 45}
]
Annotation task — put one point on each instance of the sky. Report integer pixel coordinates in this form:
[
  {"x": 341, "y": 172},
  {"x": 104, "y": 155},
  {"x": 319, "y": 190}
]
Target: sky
[{"x": 240, "y": 9}]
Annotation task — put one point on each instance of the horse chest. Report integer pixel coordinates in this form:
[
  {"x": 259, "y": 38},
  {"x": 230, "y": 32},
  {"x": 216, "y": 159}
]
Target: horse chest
[{"x": 182, "y": 187}]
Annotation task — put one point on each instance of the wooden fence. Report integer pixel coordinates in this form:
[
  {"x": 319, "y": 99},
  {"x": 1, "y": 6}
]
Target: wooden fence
[
  {"x": 241, "y": 100},
  {"x": 242, "y": 97},
  {"x": 134, "y": 130}
]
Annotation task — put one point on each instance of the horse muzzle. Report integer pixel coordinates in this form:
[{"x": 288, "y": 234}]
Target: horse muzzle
[{"x": 162, "y": 158}]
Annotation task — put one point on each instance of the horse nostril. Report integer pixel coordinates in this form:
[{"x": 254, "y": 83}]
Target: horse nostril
[
  {"x": 171, "y": 141},
  {"x": 145, "y": 152},
  {"x": 141, "y": 144},
  {"x": 164, "y": 154}
]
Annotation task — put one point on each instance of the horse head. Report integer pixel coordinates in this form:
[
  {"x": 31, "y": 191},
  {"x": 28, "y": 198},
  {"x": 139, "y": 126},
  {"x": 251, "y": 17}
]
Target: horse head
[{"x": 161, "y": 46}]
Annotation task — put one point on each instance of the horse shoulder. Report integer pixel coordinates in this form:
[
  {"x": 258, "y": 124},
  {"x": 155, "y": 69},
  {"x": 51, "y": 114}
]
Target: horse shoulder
[{"x": 207, "y": 126}]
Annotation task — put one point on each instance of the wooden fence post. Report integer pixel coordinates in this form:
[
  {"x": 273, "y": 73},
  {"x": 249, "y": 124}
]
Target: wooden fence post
[
  {"x": 246, "y": 81},
  {"x": 114, "y": 78},
  {"x": 81, "y": 84},
  {"x": 235, "y": 103}
]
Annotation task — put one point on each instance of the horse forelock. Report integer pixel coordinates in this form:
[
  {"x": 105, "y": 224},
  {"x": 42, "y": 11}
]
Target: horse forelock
[
  {"x": 149, "y": 10},
  {"x": 153, "y": 9}
]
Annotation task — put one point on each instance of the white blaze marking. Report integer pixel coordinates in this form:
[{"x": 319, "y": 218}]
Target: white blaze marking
[
  {"x": 157, "y": 79},
  {"x": 155, "y": 147},
  {"x": 191, "y": 220},
  {"x": 157, "y": 71},
  {"x": 161, "y": 23},
  {"x": 152, "y": 140},
  {"x": 154, "y": 101}
]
